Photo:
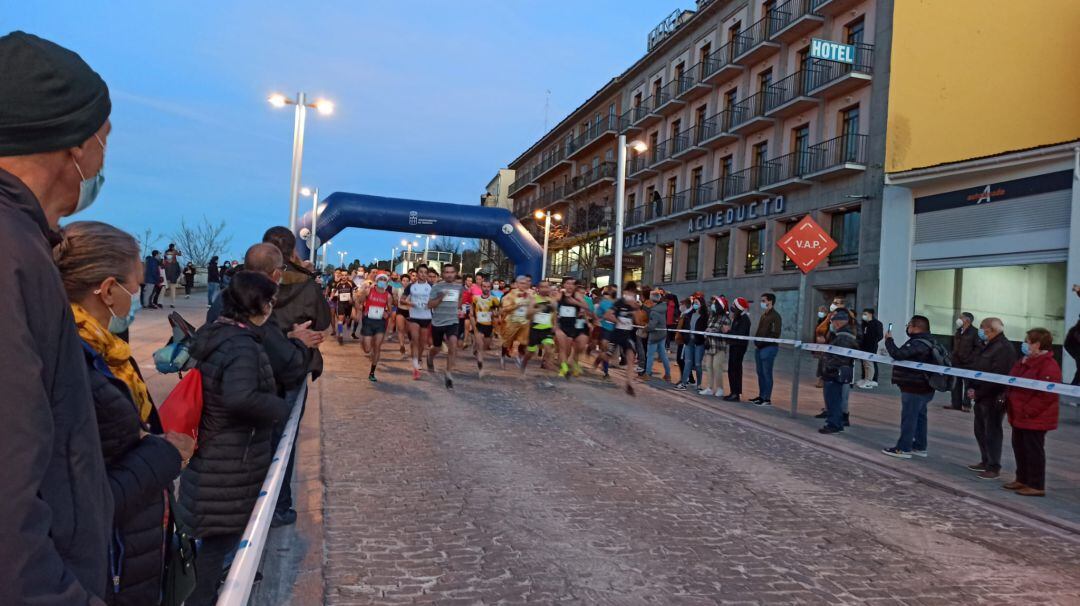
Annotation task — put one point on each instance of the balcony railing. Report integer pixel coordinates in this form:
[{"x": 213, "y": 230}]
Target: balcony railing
[
  {"x": 785, "y": 15},
  {"x": 605, "y": 170},
  {"x": 751, "y": 37},
  {"x": 713, "y": 126},
  {"x": 680, "y": 143},
  {"x": 824, "y": 73},
  {"x": 635, "y": 216},
  {"x": 550, "y": 160},
  {"x": 742, "y": 182},
  {"x": 592, "y": 132},
  {"x": 843, "y": 257},
  {"x": 716, "y": 60},
  {"x": 693, "y": 197},
  {"x": 788, "y": 89},
  {"x": 749, "y": 108},
  {"x": 720, "y": 271},
  {"x": 551, "y": 196},
  {"x": 666, "y": 94},
  {"x": 642, "y": 111},
  {"x": 659, "y": 152},
  {"x": 839, "y": 151},
  {"x": 691, "y": 274},
  {"x": 786, "y": 167},
  {"x": 522, "y": 181}
]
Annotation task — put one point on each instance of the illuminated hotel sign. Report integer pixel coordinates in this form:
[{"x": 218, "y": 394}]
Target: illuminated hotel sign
[
  {"x": 737, "y": 214},
  {"x": 832, "y": 51}
]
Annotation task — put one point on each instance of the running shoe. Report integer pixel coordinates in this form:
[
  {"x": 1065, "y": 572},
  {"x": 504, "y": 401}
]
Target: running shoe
[
  {"x": 479, "y": 369},
  {"x": 563, "y": 370},
  {"x": 576, "y": 369},
  {"x": 449, "y": 383},
  {"x": 341, "y": 339},
  {"x": 630, "y": 389},
  {"x": 416, "y": 374},
  {"x": 430, "y": 365},
  {"x": 372, "y": 378}
]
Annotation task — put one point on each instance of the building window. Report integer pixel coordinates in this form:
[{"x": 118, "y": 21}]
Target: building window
[
  {"x": 676, "y": 128},
  {"x": 761, "y": 159},
  {"x": 755, "y": 250},
  {"x": 727, "y": 164},
  {"x": 854, "y": 31},
  {"x": 669, "y": 263},
  {"x": 656, "y": 86},
  {"x": 637, "y": 100},
  {"x": 787, "y": 264},
  {"x": 692, "y": 259},
  {"x": 765, "y": 79},
  {"x": 700, "y": 115},
  {"x": 697, "y": 196},
  {"x": 849, "y": 142},
  {"x": 800, "y": 140},
  {"x": 844, "y": 228},
  {"x": 721, "y": 246}
]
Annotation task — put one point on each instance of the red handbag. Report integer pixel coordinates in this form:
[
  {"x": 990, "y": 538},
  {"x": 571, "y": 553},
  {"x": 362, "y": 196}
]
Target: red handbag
[{"x": 182, "y": 410}]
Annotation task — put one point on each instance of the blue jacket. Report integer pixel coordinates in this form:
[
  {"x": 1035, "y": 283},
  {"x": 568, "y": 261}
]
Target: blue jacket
[{"x": 152, "y": 270}]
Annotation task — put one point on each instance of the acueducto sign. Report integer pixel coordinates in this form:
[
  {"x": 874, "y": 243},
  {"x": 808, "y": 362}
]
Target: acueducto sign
[{"x": 737, "y": 214}]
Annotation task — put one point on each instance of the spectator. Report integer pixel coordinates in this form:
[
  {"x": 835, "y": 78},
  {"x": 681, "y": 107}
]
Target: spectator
[
  {"x": 837, "y": 371},
  {"x": 189, "y": 279},
  {"x": 764, "y": 351},
  {"x": 99, "y": 266},
  {"x": 151, "y": 280},
  {"x": 694, "y": 350},
  {"x": 915, "y": 389},
  {"x": 1033, "y": 413},
  {"x": 740, "y": 325},
  {"x": 681, "y": 337},
  {"x": 997, "y": 356},
  {"x": 965, "y": 348},
  {"x": 672, "y": 318},
  {"x": 219, "y": 488},
  {"x": 56, "y": 508},
  {"x": 172, "y": 272},
  {"x": 716, "y": 348},
  {"x": 658, "y": 315},
  {"x": 1072, "y": 342},
  {"x": 871, "y": 334},
  {"x": 213, "y": 281},
  {"x": 821, "y": 333}
]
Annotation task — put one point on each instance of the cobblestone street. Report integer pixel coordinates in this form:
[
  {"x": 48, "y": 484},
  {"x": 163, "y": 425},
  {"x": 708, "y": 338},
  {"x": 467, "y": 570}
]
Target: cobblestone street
[{"x": 511, "y": 490}]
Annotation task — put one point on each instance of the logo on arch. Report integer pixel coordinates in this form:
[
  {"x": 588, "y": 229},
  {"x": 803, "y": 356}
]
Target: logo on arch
[{"x": 413, "y": 217}]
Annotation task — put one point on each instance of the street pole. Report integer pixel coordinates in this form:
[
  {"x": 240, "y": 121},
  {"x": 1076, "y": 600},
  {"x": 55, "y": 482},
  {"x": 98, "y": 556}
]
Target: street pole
[
  {"x": 427, "y": 243},
  {"x": 547, "y": 231},
  {"x": 314, "y": 225},
  {"x": 297, "y": 157},
  {"x": 341, "y": 256},
  {"x": 799, "y": 303},
  {"x": 620, "y": 211}
]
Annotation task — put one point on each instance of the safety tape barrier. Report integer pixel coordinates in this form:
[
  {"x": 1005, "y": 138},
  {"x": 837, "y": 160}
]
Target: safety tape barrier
[{"x": 238, "y": 584}]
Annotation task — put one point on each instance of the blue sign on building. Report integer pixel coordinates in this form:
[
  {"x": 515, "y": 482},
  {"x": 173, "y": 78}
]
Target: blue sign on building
[{"x": 832, "y": 51}]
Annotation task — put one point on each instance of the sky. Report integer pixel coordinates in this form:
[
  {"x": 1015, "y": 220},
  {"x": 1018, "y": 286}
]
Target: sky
[{"x": 432, "y": 97}]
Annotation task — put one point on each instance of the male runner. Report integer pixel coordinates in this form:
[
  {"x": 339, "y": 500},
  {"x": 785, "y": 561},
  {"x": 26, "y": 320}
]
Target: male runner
[
  {"x": 515, "y": 315},
  {"x": 445, "y": 301},
  {"x": 342, "y": 291},
  {"x": 607, "y": 327},
  {"x": 571, "y": 324},
  {"x": 402, "y": 316},
  {"x": 485, "y": 309},
  {"x": 417, "y": 296},
  {"x": 622, "y": 315},
  {"x": 375, "y": 308},
  {"x": 541, "y": 333}
]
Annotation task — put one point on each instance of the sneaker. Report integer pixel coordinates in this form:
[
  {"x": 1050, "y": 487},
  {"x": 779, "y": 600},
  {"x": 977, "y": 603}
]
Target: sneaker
[
  {"x": 283, "y": 518},
  {"x": 988, "y": 475},
  {"x": 430, "y": 365},
  {"x": 679, "y": 387},
  {"x": 829, "y": 429},
  {"x": 372, "y": 378},
  {"x": 1014, "y": 485},
  {"x": 896, "y": 452},
  {"x": 416, "y": 374},
  {"x": 1028, "y": 491},
  {"x": 341, "y": 339},
  {"x": 862, "y": 384},
  {"x": 630, "y": 389},
  {"x": 762, "y": 402},
  {"x": 354, "y": 336},
  {"x": 575, "y": 369},
  {"x": 564, "y": 369},
  {"x": 756, "y": 400},
  {"x": 705, "y": 392},
  {"x": 977, "y": 467},
  {"x": 449, "y": 383},
  {"x": 872, "y": 384},
  {"x": 824, "y": 414},
  {"x": 920, "y": 453}
]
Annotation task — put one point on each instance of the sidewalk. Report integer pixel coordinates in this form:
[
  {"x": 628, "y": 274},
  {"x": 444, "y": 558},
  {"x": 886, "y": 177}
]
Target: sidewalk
[{"x": 875, "y": 419}]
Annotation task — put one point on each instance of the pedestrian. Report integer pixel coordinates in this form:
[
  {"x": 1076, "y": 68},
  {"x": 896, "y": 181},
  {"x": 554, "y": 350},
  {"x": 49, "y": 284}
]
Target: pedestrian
[
  {"x": 965, "y": 348},
  {"x": 673, "y": 313},
  {"x": 838, "y": 371},
  {"x": 657, "y": 327},
  {"x": 219, "y": 488},
  {"x": 997, "y": 356},
  {"x": 694, "y": 350},
  {"x": 915, "y": 390},
  {"x": 99, "y": 266},
  {"x": 151, "y": 280},
  {"x": 769, "y": 325},
  {"x": 1032, "y": 413},
  {"x": 1072, "y": 342},
  {"x": 173, "y": 272},
  {"x": 56, "y": 509},
  {"x": 213, "y": 280},
  {"x": 870, "y": 336},
  {"x": 740, "y": 326},
  {"x": 681, "y": 336},
  {"x": 715, "y": 362},
  {"x": 189, "y": 279}
]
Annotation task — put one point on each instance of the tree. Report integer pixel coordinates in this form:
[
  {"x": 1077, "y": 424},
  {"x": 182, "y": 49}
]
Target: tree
[
  {"x": 447, "y": 244},
  {"x": 202, "y": 241},
  {"x": 148, "y": 241}
]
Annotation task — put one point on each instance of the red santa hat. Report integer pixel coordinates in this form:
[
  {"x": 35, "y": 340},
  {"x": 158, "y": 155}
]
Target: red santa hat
[
  {"x": 722, "y": 301},
  {"x": 741, "y": 304}
]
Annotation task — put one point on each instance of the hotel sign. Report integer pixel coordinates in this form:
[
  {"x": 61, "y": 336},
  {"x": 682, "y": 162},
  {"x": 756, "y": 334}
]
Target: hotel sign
[
  {"x": 636, "y": 239},
  {"x": 832, "y": 51},
  {"x": 737, "y": 214},
  {"x": 666, "y": 27}
]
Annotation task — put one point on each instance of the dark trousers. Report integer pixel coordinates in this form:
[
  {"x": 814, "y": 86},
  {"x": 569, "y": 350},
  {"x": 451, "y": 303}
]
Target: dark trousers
[
  {"x": 1029, "y": 448},
  {"x": 210, "y": 561},
  {"x": 834, "y": 393},
  {"x": 734, "y": 370},
  {"x": 156, "y": 294},
  {"x": 187, "y": 288},
  {"x": 959, "y": 393},
  {"x": 989, "y": 413}
]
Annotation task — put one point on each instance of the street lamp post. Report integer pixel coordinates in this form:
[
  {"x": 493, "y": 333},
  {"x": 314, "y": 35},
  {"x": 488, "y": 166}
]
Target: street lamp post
[
  {"x": 620, "y": 204},
  {"x": 393, "y": 255},
  {"x": 546, "y": 216},
  {"x": 427, "y": 245},
  {"x": 324, "y": 249},
  {"x": 300, "y": 119},
  {"x": 408, "y": 254},
  {"x": 341, "y": 255},
  {"x": 314, "y": 221}
]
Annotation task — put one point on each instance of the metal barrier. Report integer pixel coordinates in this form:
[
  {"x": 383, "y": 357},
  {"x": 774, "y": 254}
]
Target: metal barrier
[{"x": 238, "y": 584}]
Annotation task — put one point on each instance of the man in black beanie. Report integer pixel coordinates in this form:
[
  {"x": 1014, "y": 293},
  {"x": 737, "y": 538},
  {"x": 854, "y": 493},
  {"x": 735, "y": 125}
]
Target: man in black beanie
[{"x": 56, "y": 507}]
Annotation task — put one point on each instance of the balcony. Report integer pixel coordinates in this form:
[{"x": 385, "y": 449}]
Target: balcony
[
  {"x": 793, "y": 19},
  {"x": 604, "y": 172},
  {"x": 786, "y": 172},
  {"x": 550, "y": 161},
  {"x": 748, "y": 115},
  {"x": 744, "y": 185},
  {"x": 719, "y": 67},
  {"x": 690, "y": 85},
  {"x": 694, "y": 197},
  {"x": 659, "y": 210},
  {"x": 640, "y": 165},
  {"x": 837, "y": 157},
  {"x": 556, "y": 195},
  {"x": 667, "y": 100},
  {"x": 715, "y": 131},
  {"x": 645, "y": 114},
  {"x": 626, "y": 122},
  {"x": 635, "y": 216},
  {"x": 753, "y": 44},
  {"x": 523, "y": 182},
  {"x": 594, "y": 132},
  {"x": 683, "y": 148},
  {"x": 789, "y": 96},
  {"x": 832, "y": 79},
  {"x": 660, "y": 156},
  {"x": 829, "y": 8}
]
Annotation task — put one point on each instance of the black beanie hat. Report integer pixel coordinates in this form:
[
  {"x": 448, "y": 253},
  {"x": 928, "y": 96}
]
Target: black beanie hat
[{"x": 50, "y": 98}]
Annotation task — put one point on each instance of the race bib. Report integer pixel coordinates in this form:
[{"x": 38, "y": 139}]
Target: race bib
[
  {"x": 580, "y": 323},
  {"x": 624, "y": 323},
  {"x": 345, "y": 296},
  {"x": 419, "y": 301},
  {"x": 520, "y": 313},
  {"x": 451, "y": 295},
  {"x": 542, "y": 318},
  {"x": 376, "y": 313},
  {"x": 567, "y": 312},
  {"x": 483, "y": 317}
]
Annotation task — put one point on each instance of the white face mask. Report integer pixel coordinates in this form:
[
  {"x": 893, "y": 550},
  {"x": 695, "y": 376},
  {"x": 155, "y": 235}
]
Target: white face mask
[
  {"x": 833, "y": 307},
  {"x": 821, "y": 315},
  {"x": 959, "y": 323},
  {"x": 90, "y": 187},
  {"x": 866, "y": 317}
]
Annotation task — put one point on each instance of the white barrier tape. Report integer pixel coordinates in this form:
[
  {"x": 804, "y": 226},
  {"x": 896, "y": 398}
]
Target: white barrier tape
[
  {"x": 738, "y": 337},
  {"x": 237, "y": 588}
]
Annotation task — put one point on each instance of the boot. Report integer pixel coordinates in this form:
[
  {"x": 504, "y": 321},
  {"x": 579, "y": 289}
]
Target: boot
[{"x": 847, "y": 423}]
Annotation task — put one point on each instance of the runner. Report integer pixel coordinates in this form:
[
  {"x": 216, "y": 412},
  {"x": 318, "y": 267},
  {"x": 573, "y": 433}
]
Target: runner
[
  {"x": 342, "y": 291},
  {"x": 465, "y": 319},
  {"x": 572, "y": 317},
  {"x": 485, "y": 311},
  {"x": 416, "y": 298},
  {"x": 445, "y": 305},
  {"x": 515, "y": 317},
  {"x": 375, "y": 308},
  {"x": 607, "y": 327},
  {"x": 402, "y": 316},
  {"x": 622, "y": 314},
  {"x": 541, "y": 333}
]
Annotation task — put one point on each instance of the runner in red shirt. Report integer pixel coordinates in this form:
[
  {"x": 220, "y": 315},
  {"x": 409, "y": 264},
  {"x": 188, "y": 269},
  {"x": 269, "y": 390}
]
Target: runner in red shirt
[{"x": 376, "y": 304}]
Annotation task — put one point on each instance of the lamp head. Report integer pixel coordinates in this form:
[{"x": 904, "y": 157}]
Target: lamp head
[
  {"x": 277, "y": 100},
  {"x": 305, "y": 191},
  {"x": 539, "y": 214},
  {"x": 557, "y": 217},
  {"x": 324, "y": 107},
  {"x": 638, "y": 145}
]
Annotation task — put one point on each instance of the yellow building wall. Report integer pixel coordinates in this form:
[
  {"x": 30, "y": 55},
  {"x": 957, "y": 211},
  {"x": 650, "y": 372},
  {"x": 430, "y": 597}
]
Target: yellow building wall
[{"x": 974, "y": 78}]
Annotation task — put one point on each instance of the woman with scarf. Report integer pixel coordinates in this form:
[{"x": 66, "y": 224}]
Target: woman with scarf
[{"x": 100, "y": 269}]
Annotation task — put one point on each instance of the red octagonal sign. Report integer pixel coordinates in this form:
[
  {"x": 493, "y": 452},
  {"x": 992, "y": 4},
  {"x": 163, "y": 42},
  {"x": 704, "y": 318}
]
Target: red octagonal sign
[{"x": 807, "y": 244}]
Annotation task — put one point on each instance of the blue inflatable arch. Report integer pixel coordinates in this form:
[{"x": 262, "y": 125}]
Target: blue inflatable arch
[{"x": 339, "y": 211}]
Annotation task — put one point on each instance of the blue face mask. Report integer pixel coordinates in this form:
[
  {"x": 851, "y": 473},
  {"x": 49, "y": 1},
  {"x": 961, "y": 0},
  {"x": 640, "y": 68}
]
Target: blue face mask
[
  {"x": 118, "y": 325},
  {"x": 982, "y": 335},
  {"x": 764, "y": 305},
  {"x": 89, "y": 188},
  {"x": 1025, "y": 348},
  {"x": 697, "y": 306}
]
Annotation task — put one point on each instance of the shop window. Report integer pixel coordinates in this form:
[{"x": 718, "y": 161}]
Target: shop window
[
  {"x": 755, "y": 250},
  {"x": 692, "y": 259},
  {"x": 668, "y": 273},
  {"x": 1023, "y": 296},
  {"x": 722, "y": 246},
  {"x": 844, "y": 228}
]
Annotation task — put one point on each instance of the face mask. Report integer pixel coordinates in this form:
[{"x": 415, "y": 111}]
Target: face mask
[
  {"x": 1025, "y": 348},
  {"x": 959, "y": 323},
  {"x": 89, "y": 188},
  {"x": 764, "y": 305},
  {"x": 833, "y": 307},
  {"x": 821, "y": 315},
  {"x": 831, "y": 328},
  {"x": 628, "y": 298},
  {"x": 982, "y": 335},
  {"x": 655, "y": 298},
  {"x": 381, "y": 285},
  {"x": 697, "y": 306},
  {"x": 866, "y": 317},
  {"x": 118, "y": 325}
]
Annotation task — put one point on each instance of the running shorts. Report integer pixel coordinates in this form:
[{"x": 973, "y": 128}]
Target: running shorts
[
  {"x": 622, "y": 338},
  {"x": 485, "y": 329},
  {"x": 569, "y": 327},
  {"x": 540, "y": 336},
  {"x": 422, "y": 323},
  {"x": 443, "y": 333},
  {"x": 370, "y": 327},
  {"x": 515, "y": 333},
  {"x": 344, "y": 308}
]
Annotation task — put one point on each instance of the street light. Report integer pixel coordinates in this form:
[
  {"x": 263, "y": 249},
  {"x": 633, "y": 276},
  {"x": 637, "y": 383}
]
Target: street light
[
  {"x": 325, "y": 108},
  {"x": 341, "y": 255},
  {"x": 547, "y": 216},
  {"x": 427, "y": 243},
  {"x": 314, "y": 220},
  {"x": 408, "y": 255},
  {"x": 620, "y": 203},
  {"x": 324, "y": 248}
]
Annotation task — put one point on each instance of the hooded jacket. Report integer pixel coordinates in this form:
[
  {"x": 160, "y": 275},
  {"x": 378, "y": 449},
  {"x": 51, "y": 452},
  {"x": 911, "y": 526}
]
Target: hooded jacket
[
  {"x": 219, "y": 487},
  {"x": 658, "y": 315},
  {"x": 832, "y": 363},
  {"x": 299, "y": 300},
  {"x": 55, "y": 504},
  {"x": 1030, "y": 409}
]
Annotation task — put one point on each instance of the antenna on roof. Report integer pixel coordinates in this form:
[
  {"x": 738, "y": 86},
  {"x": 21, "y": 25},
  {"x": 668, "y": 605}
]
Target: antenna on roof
[{"x": 547, "y": 108}]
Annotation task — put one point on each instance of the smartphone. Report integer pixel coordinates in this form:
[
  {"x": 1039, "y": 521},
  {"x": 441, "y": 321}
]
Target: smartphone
[{"x": 890, "y": 326}]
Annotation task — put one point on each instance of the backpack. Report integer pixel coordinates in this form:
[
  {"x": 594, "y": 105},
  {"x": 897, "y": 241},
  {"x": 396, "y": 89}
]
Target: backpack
[
  {"x": 939, "y": 357},
  {"x": 175, "y": 356}
]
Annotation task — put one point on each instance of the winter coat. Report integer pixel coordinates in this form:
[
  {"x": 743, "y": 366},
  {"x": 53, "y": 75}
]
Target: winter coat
[
  {"x": 289, "y": 358},
  {"x": 697, "y": 321},
  {"x": 872, "y": 334},
  {"x": 151, "y": 270},
  {"x": 140, "y": 470},
  {"x": 965, "y": 347},
  {"x": 918, "y": 348},
  {"x": 213, "y": 274},
  {"x": 831, "y": 364},
  {"x": 1030, "y": 409},
  {"x": 717, "y": 323},
  {"x": 189, "y": 276},
  {"x": 1072, "y": 346},
  {"x": 55, "y": 504},
  {"x": 658, "y": 315},
  {"x": 740, "y": 325},
  {"x": 299, "y": 300},
  {"x": 219, "y": 488},
  {"x": 768, "y": 326},
  {"x": 997, "y": 356}
]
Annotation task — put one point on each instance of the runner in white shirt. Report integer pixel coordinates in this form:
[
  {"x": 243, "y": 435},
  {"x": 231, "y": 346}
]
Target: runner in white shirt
[{"x": 417, "y": 295}]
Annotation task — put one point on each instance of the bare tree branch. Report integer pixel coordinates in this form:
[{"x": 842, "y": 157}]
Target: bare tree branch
[
  {"x": 201, "y": 241},
  {"x": 148, "y": 241}
]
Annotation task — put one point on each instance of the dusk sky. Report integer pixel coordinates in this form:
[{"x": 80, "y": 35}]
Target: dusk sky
[{"x": 432, "y": 97}]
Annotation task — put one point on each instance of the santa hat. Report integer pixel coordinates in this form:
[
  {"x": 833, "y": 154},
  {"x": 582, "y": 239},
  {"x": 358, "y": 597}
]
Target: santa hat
[
  {"x": 741, "y": 304},
  {"x": 722, "y": 301}
]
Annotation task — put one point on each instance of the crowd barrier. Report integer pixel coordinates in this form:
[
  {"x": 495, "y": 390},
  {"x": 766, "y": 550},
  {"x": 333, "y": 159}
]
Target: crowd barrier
[{"x": 238, "y": 583}]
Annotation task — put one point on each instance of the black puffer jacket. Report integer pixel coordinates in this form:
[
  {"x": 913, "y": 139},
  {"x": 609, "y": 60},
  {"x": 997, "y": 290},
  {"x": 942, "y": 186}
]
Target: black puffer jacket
[
  {"x": 219, "y": 487},
  {"x": 139, "y": 470},
  {"x": 831, "y": 364}
]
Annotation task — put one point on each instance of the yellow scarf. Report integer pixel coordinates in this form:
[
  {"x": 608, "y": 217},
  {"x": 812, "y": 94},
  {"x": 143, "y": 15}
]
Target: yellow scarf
[{"x": 117, "y": 356}]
